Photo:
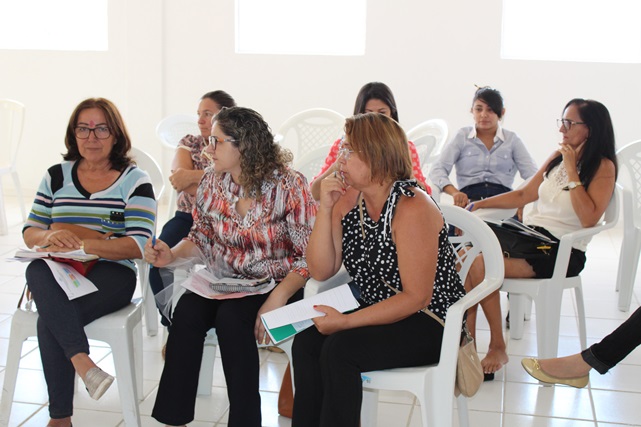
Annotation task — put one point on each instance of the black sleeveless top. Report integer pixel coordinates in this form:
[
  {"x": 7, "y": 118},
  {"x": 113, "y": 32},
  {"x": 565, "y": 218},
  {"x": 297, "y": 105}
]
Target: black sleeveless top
[{"x": 373, "y": 260}]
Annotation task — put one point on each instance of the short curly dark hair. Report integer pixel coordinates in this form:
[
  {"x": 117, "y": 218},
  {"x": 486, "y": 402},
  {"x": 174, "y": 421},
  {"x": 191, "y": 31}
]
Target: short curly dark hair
[
  {"x": 260, "y": 155},
  {"x": 119, "y": 156}
]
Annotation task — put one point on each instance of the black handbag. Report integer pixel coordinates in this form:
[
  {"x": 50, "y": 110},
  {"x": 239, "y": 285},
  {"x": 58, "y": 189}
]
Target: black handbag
[{"x": 521, "y": 241}]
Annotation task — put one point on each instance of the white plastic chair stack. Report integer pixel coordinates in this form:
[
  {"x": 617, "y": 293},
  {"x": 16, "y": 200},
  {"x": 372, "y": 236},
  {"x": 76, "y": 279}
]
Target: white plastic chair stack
[
  {"x": 629, "y": 158},
  {"x": 547, "y": 294},
  {"x": 122, "y": 330},
  {"x": 149, "y": 165},
  {"x": 170, "y": 131},
  {"x": 11, "y": 125},
  {"x": 309, "y": 129}
]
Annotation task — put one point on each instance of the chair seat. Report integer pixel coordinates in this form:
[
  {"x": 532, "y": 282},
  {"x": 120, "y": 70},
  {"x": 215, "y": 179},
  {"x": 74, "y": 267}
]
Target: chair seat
[{"x": 122, "y": 330}]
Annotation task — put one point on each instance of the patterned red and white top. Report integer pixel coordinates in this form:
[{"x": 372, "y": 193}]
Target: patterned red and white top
[
  {"x": 269, "y": 241},
  {"x": 416, "y": 163},
  {"x": 195, "y": 144}
]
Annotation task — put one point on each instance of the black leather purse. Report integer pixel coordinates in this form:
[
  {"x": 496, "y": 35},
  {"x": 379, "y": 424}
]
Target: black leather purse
[{"x": 522, "y": 242}]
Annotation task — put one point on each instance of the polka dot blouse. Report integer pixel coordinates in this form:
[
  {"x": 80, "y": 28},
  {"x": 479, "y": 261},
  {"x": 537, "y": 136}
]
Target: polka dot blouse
[{"x": 372, "y": 261}]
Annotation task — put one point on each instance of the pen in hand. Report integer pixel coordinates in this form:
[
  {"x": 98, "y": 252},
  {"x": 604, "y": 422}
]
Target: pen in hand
[{"x": 153, "y": 240}]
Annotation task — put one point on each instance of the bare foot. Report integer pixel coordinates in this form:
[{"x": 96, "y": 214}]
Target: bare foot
[
  {"x": 494, "y": 360},
  {"x": 565, "y": 367}
]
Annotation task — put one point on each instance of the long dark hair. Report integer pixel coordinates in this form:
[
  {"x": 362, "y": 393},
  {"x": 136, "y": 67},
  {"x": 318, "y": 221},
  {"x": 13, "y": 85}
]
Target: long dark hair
[
  {"x": 118, "y": 157},
  {"x": 375, "y": 90},
  {"x": 600, "y": 143}
]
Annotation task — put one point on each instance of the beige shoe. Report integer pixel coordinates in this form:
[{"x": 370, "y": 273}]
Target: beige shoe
[
  {"x": 97, "y": 382},
  {"x": 533, "y": 368}
]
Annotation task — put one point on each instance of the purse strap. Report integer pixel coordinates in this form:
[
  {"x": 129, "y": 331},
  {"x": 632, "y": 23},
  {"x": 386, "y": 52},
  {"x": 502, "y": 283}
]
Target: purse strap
[{"x": 424, "y": 310}]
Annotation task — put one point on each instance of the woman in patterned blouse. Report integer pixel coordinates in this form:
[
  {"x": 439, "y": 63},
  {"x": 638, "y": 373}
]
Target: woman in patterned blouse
[
  {"x": 392, "y": 238},
  {"x": 252, "y": 219},
  {"x": 187, "y": 170}
]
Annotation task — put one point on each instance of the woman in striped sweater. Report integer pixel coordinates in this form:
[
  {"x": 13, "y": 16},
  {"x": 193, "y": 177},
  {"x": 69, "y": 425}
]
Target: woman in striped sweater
[{"x": 99, "y": 201}]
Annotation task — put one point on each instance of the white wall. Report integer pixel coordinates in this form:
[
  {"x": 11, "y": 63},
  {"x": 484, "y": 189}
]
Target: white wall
[{"x": 164, "y": 55}]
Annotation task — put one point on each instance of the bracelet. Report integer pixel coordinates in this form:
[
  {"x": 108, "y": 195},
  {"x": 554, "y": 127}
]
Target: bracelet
[{"x": 470, "y": 207}]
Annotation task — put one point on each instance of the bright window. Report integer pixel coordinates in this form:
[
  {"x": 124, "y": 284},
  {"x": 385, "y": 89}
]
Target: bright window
[
  {"x": 572, "y": 30},
  {"x": 54, "y": 25},
  {"x": 300, "y": 27}
]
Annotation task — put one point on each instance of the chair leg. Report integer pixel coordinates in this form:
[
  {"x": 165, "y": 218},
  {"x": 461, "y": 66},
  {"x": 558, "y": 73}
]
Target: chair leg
[
  {"x": 547, "y": 324},
  {"x": 580, "y": 308},
  {"x": 463, "y": 414},
  {"x": 628, "y": 265},
  {"x": 23, "y": 326},
  {"x": 4, "y": 228},
  {"x": 518, "y": 306},
  {"x": 16, "y": 182},
  {"x": 128, "y": 371},
  {"x": 369, "y": 409}
]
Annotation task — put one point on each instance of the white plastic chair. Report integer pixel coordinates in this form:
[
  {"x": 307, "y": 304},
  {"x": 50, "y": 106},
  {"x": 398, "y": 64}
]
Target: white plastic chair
[
  {"x": 149, "y": 165},
  {"x": 429, "y": 137},
  {"x": 547, "y": 294},
  {"x": 170, "y": 131},
  {"x": 629, "y": 158},
  {"x": 11, "y": 125},
  {"x": 310, "y": 163},
  {"x": 434, "y": 385},
  {"x": 310, "y": 129},
  {"x": 122, "y": 330}
]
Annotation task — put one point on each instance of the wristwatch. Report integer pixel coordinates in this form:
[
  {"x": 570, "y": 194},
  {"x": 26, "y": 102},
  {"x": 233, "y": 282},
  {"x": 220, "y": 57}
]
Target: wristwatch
[{"x": 572, "y": 185}]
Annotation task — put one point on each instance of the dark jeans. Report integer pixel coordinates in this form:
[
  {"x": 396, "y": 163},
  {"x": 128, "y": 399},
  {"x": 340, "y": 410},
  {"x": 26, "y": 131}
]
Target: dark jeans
[
  {"x": 234, "y": 321},
  {"x": 483, "y": 190},
  {"x": 173, "y": 232},
  {"x": 615, "y": 347},
  {"x": 61, "y": 322},
  {"x": 328, "y": 370}
]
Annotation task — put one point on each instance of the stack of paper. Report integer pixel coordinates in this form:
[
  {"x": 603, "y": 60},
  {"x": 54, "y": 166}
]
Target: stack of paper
[{"x": 287, "y": 321}]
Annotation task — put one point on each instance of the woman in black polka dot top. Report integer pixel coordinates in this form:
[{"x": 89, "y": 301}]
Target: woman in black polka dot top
[{"x": 392, "y": 238}]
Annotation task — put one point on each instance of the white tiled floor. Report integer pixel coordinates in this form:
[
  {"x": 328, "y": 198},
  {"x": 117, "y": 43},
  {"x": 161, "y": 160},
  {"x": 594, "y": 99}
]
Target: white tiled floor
[{"x": 512, "y": 399}]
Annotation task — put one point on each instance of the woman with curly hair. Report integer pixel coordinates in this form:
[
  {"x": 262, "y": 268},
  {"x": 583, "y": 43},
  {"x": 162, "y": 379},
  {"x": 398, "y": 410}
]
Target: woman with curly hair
[{"x": 252, "y": 219}]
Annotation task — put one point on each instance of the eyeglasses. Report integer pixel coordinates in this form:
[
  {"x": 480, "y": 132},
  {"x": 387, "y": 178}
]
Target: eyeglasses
[
  {"x": 345, "y": 152},
  {"x": 567, "y": 124},
  {"x": 214, "y": 140},
  {"x": 101, "y": 132}
]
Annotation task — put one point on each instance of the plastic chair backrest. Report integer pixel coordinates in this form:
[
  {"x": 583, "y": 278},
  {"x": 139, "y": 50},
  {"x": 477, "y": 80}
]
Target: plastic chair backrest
[
  {"x": 429, "y": 138},
  {"x": 310, "y": 163},
  {"x": 310, "y": 129},
  {"x": 11, "y": 126},
  {"x": 172, "y": 129},
  {"x": 147, "y": 163}
]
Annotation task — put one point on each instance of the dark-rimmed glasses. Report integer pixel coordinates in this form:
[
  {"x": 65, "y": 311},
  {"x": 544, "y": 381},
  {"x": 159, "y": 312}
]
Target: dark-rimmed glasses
[
  {"x": 567, "y": 123},
  {"x": 101, "y": 132}
]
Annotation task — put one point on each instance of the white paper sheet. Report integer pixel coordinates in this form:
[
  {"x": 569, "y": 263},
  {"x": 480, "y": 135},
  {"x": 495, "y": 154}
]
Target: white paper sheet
[
  {"x": 340, "y": 298},
  {"x": 73, "y": 283}
]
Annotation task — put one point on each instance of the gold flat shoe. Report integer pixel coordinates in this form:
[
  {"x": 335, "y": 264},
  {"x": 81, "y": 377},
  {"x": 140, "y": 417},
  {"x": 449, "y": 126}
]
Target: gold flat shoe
[{"x": 532, "y": 367}]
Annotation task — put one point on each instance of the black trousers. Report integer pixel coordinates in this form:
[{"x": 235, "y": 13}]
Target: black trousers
[
  {"x": 612, "y": 349},
  {"x": 234, "y": 322},
  {"x": 327, "y": 374}
]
